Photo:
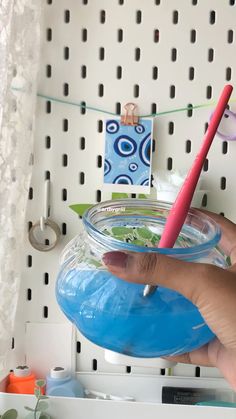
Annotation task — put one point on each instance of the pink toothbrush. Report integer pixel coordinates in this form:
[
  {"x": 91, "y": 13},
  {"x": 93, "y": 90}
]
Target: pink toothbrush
[{"x": 182, "y": 203}]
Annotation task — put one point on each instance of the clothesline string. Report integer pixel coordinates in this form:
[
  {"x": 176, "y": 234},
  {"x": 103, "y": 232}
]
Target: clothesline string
[{"x": 83, "y": 105}]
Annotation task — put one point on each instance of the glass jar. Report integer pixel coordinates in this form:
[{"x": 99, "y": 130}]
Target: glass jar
[{"x": 113, "y": 313}]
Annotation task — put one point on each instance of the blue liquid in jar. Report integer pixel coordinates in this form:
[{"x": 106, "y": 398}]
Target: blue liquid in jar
[{"x": 114, "y": 314}]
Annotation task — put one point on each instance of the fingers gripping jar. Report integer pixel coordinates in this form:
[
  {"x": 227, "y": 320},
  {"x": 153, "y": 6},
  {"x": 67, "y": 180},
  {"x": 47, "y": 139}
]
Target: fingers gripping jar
[{"x": 113, "y": 313}]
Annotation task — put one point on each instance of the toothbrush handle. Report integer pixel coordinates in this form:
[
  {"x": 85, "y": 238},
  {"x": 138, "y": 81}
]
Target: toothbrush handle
[{"x": 182, "y": 203}]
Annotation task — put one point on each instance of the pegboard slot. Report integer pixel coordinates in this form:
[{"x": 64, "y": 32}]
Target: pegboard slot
[
  {"x": 94, "y": 365},
  {"x": 47, "y": 175},
  {"x": 46, "y": 278},
  {"x": 193, "y": 36},
  {"x": 48, "y": 71},
  {"x": 48, "y": 106},
  {"x": 224, "y": 147},
  {"x": 153, "y": 108},
  {"x": 29, "y": 294},
  {"x": 212, "y": 18},
  {"x": 206, "y": 165},
  {"x": 64, "y": 194},
  {"x": 119, "y": 72},
  {"x": 101, "y": 54},
  {"x": 169, "y": 163},
  {"x": 66, "y": 53},
  {"x": 128, "y": 369},
  {"x": 210, "y": 55},
  {"x": 29, "y": 261},
  {"x": 66, "y": 89},
  {"x": 153, "y": 145},
  {"x": 98, "y": 195},
  {"x": 228, "y": 74},
  {"x": 64, "y": 160},
  {"x": 204, "y": 200},
  {"x": 191, "y": 73},
  {"x": 173, "y": 54},
  {"x": 172, "y": 91},
  {"x": 155, "y": 73},
  {"x": 84, "y": 35},
  {"x": 100, "y": 90},
  {"x": 83, "y": 108},
  {"x": 64, "y": 229},
  {"x": 78, "y": 347},
  {"x": 197, "y": 372},
  {"x": 136, "y": 90},
  {"x": 67, "y": 16},
  {"x": 82, "y": 178},
  {"x": 156, "y": 35},
  {"x": 99, "y": 161},
  {"x": 118, "y": 108},
  {"x": 45, "y": 312},
  {"x": 120, "y": 37},
  {"x": 188, "y": 146},
  {"x": 175, "y": 17},
  {"x": 190, "y": 110},
  {"x": 102, "y": 16},
  {"x": 223, "y": 183},
  {"x": 83, "y": 71},
  {"x": 100, "y": 125},
  {"x": 209, "y": 92},
  {"x": 138, "y": 17},
  {"x": 49, "y": 34},
  {"x": 82, "y": 143},
  {"x": 171, "y": 128},
  {"x": 230, "y": 36},
  {"x": 31, "y": 193},
  {"x": 65, "y": 125},
  {"x": 137, "y": 54}
]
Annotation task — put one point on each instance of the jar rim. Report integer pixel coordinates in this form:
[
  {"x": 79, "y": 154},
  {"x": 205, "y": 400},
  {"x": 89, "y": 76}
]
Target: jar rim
[{"x": 117, "y": 244}]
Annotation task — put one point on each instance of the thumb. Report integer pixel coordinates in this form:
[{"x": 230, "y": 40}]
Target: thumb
[{"x": 188, "y": 278}]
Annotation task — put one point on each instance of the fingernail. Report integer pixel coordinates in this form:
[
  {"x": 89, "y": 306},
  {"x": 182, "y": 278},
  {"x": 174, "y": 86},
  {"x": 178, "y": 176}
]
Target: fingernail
[{"x": 117, "y": 259}]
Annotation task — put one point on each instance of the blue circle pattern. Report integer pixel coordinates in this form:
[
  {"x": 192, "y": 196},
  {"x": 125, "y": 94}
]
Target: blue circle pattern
[
  {"x": 123, "y": 180},
  {"x": 140, "y": 129},
  {"x": 125, "y": 146},
  {"x": 145, "y": 150},
  {"x": 112, "y": 126},
  {"x": 107, "y": 167},
  {"x": 145, "y": 182},
  {"x": 133, "y": 167}
]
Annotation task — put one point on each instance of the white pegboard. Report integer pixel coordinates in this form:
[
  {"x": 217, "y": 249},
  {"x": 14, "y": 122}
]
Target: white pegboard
[{"x": 160, "y": 54}]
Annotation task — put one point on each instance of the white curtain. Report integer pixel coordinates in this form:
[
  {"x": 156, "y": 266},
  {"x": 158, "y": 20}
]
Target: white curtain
[{"x": 19, "y": 56}]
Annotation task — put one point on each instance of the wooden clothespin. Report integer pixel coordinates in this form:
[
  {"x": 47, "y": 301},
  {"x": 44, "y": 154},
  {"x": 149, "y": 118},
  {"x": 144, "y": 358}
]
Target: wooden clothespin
[{"x": 129, "y": 118}]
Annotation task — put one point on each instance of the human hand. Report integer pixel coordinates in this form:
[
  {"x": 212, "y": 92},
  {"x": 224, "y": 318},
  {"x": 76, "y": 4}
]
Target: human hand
[{"x": 210, "y": 288}]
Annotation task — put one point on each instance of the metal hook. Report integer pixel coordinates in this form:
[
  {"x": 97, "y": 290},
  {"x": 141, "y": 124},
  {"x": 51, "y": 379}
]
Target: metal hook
[{"x": 46, "y": 209}]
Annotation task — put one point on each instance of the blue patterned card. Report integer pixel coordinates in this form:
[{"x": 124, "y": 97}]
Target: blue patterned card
[{"x": 128, "y": 151}]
